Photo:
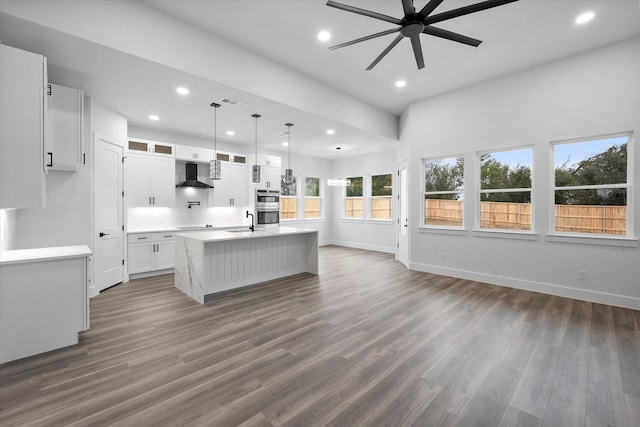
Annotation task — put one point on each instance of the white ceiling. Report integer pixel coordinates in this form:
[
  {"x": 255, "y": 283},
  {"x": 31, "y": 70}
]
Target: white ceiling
[{"x": 516, "y": 36}]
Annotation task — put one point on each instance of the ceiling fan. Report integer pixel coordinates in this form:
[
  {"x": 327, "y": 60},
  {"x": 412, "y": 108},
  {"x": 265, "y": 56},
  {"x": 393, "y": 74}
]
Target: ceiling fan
[{"x": 415, "y": 23}]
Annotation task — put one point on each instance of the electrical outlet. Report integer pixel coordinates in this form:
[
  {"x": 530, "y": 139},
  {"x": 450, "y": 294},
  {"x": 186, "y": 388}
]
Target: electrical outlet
[
  {"x": 582, "y": 275},
  {"x": 443, "y": 257}
]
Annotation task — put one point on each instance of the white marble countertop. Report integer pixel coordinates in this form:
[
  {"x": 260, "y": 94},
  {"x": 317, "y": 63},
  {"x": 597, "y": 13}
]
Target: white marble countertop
[
  {"x": 185, "y": 228},
  {"x": 219, "y": 235},
  {"x": 43, "y": 254}
]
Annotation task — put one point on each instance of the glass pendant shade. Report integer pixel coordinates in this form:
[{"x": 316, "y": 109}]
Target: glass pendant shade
[
  {"x": 288, "y": 173},
  {"x": 215, "y": 166},
  {"x": 256, "y": 168}
]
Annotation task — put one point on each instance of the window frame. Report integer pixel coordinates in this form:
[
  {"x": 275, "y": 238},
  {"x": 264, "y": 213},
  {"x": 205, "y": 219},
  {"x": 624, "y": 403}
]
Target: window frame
[
  {"x": 370, "y": 197},
  {"x": 461, "y": 192},
  {"x": 596, "y": 238},
  {"x": 296, "y": 197},
  {"x": 320, "y": 197},
  {"x": 345, "y": 197},
  {"x": 478, "y": 230}
]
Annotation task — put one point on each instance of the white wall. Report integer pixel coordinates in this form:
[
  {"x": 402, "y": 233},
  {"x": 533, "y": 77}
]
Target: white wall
[
  {"x": 365, "y": 234},
  {"x": 7, "y": 229},
  {"x": 591, "y": 94}
]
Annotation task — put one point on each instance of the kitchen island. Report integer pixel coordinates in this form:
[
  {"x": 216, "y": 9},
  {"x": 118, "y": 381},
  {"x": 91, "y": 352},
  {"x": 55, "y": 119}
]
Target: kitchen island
[{"x": 213, "y": 261}]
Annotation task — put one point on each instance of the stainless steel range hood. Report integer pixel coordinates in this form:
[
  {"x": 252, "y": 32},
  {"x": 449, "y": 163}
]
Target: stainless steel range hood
[{"x": 192, "y": 178}]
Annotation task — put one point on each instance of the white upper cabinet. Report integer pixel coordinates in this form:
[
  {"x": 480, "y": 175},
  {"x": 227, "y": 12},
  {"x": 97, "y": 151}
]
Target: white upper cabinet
[
  {"x": 23, "y": 118},
  {"x": 193, "y": 154},
  {"x": 233, "y": 188},
  {"x": 64, "y": 144},
  {"x": 269, "y": 172},
  {"x": 150, "y": 174}
]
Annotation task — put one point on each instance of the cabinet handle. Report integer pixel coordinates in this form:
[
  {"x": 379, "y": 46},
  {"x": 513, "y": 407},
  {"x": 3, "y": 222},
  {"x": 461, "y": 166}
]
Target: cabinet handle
[
  {"x": 149, "y": 199},
  {"x": 154, "y": 200},
  {"x": 50, "y": 154},
  {"x": 142, "y": 238},
  {"x": 168, "y": 236}
]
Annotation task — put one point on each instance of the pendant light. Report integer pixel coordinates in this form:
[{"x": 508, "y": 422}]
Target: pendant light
[
  {"x": 215, "y": 166},
  {"x": 288, "y": 173},
  {"x": 256, "y": 167}
]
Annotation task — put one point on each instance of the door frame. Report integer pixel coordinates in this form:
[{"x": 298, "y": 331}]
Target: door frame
[{"x": 400, "y": 221}]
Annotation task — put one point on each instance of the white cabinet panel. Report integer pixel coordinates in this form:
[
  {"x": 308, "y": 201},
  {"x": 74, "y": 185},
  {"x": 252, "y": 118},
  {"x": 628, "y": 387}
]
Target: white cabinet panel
[
  {"x": 64, "y": 144},
  {"x": 269, "y": 172},
  {"x": 232, "y": 189},
  {"x": 150, "y": 171},
  {"x": 193, "y": 154},
  {"x": 141, "y": 257},
  {"x": 165, "y": 255},
  {"x": 150, "y": 252},
  {"x": 23, "y": 114}
]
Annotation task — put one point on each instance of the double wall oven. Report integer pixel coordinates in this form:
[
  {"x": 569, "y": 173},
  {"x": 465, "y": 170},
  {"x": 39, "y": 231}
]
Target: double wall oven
[{"x": 267, "y": 208}]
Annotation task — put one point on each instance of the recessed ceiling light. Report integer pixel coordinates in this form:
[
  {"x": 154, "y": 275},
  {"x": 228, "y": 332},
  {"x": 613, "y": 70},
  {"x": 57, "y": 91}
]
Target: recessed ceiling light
[
  {"x": 401, "y": 83},
  {"x": 285, "y": 144},
  {"x": 324, "y": 36},
  {"x": 154, "y": 117},
  {"x": 330, "y": 131},
  {"x": 585, "y": 17},
  {"x": 230, "y": 133},
  {"x": 182, "y": 90}
]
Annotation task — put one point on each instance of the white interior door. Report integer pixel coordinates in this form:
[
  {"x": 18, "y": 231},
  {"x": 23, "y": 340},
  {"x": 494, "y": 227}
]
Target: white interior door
[
  {"x": 109, "y": 233},
  {"x": 402, "y": 253}
]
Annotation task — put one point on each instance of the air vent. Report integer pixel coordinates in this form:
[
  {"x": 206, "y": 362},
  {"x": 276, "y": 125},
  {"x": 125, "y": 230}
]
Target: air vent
[{"x": 233, "y": 103}]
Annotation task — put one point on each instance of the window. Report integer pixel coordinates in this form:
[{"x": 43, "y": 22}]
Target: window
[
  {"x": 443, "y": 191},
  {"x": 288, "y": 200},
  {"x": 505, "y": 189},
  {"x": 312, "y": 199},
  {"x": 381, "y": 187},
  {"x": 591, "y": 186},
  {"x": 353, "y": 200}
]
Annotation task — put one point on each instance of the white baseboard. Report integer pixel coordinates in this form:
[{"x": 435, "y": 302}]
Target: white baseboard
[
  {"x": 528, "y": 285},
  {"x": 389, "y": 250}
]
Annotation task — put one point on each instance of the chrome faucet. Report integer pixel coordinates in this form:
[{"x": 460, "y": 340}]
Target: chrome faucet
[{"x": 252, "y": 228}]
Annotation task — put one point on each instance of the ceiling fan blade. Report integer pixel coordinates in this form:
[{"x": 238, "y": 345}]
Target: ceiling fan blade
[
  {"x": 450, "y": 35},
  {"x": 361, "y": 39},
  {"x": 430, "y": 7},
  {"x": 385, "y": 51},
  {"x": 407, "y": 5},
  {"x": 417, "y": 50},
  {"x": 465, "y": 10},
  {"x": 364, "y": 12}
]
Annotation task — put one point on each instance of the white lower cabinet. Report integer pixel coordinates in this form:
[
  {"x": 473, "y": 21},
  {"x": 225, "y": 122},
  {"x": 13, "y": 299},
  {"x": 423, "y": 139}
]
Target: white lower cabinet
[{"x": 150, "y": 252}]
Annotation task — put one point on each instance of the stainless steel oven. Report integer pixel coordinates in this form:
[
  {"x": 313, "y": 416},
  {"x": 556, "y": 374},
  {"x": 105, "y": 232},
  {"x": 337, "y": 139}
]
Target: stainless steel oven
[{"x": 267, "y": 208}]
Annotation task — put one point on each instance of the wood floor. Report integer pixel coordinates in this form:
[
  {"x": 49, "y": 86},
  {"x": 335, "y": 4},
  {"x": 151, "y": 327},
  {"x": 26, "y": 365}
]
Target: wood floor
[{"x": 364, "y": 343}]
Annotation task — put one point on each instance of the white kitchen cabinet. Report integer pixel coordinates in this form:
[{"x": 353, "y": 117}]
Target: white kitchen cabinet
[
  {"x": 150, "y": 252},
  {"x": 233, "y": 188},
  {"x": 269, "y": 172},
  {"x": 23, "y": 114},
  {"x": 193, "y": 154},
  {"x": 150, "y": 176},
  {"x": 43, "y": 299},
  {"x": 64, "y": 148}
]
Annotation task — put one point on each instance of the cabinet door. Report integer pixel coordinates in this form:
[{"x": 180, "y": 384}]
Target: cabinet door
[
  {"x": 138, "y": 172},
  {"x": 163, "y": 181},
  {"x": 270, "y": 178},
  {"x": 222, "y": 193},
  {"x": 64, "y": 152},
  {"x": 165, "y": 255},
  {"x": 141, "y": 257},
  {"x": 240, "y": 187},
  {"x": 22, "y": 130},
  {"x": 193, "y": 154}
]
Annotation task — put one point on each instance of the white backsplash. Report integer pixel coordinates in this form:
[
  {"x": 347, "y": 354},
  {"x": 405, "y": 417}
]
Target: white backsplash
[{"x": 180, "y": 216}]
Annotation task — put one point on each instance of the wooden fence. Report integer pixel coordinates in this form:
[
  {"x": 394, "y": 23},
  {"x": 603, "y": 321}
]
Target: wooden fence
[
  {"x": 288, "y": 208},
  {"x": 517, "y": 216}
]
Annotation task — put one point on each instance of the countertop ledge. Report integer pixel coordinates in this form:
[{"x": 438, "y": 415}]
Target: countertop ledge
[
  {"x": 43, "y": 254},
  {"x": 219, "y": 235},
  {"x": 186, "y": 228}
]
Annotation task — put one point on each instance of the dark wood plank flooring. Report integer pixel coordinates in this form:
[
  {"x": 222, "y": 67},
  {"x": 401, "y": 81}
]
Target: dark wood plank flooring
[{"x": 366, "y": 342}]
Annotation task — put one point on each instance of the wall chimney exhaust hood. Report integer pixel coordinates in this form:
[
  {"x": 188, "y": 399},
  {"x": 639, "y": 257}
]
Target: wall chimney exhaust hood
[{"x": 192, "y": 178}]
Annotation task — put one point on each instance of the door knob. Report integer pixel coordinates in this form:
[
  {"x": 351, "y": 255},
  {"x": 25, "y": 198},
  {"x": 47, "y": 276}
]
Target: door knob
[{"x": 103, "y": 234}]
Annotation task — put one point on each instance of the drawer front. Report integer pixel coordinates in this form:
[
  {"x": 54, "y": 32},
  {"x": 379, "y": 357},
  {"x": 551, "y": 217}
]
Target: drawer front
[
  {"x": 161, "y": 237},
  {"x": 142, "y": 237}
]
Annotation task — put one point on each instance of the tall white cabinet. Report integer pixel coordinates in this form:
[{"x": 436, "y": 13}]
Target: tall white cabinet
[
  {"x": 233, "y": 189},
  {"x": 23, "y": 114},
  {"x": 64, "y": 148},
  {"x": 269, "y": 172},
  {"x": 150, "y": 174}
]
